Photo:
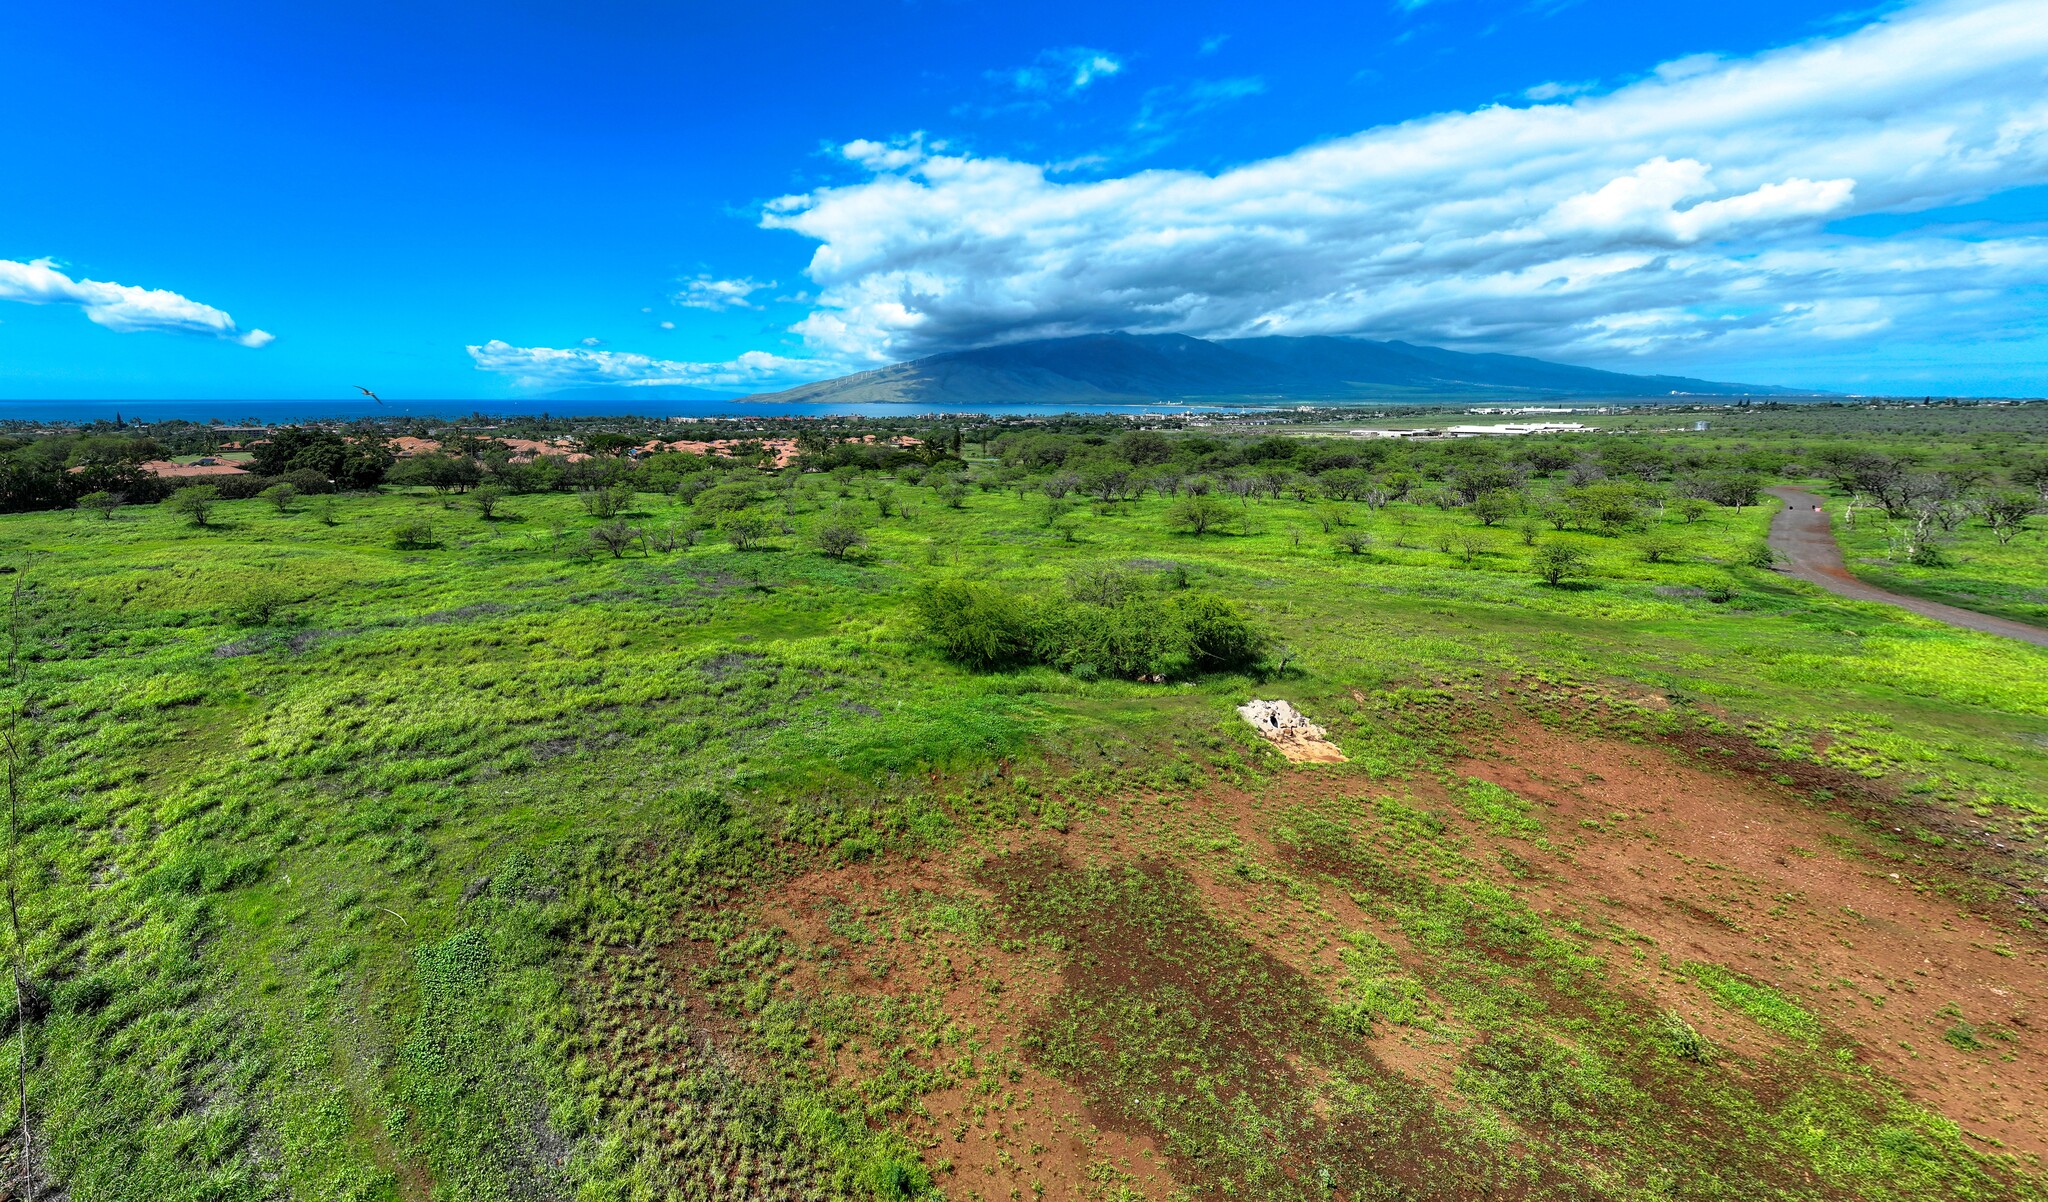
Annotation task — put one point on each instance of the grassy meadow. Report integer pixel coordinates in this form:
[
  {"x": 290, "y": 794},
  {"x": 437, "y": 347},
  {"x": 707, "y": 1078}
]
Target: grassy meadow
[{"x": 370, "y": 848}]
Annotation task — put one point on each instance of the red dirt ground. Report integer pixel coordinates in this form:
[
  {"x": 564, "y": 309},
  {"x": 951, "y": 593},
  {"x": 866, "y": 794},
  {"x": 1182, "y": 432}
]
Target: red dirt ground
[
  {"x": 1014, "y": 1131},
  {"x": 1672, "y": 860},
  {"x": 1729, "y": 869}
]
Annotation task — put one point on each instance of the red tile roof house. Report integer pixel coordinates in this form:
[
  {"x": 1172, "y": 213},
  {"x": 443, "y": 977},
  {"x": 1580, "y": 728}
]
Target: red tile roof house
[
  {"x": 204, "y": 467},
  {"x": 785, "y": 449},
  {"x": 524, "y": 450}
]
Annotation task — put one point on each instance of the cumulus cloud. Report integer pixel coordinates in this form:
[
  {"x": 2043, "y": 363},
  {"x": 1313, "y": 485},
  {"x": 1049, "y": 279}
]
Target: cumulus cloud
[
  {"x": 709, "y": 292},
  {"x": 543, "y": 367},
  {"x": 1688, "y": 209},
  {"x": 120, "y": 307}
]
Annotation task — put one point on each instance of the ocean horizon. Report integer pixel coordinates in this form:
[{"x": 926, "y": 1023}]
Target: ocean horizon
[{"x": 286, "y": 412}]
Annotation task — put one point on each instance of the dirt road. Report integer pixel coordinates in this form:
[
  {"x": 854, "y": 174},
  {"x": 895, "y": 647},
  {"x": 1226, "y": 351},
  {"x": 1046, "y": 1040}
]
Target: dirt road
[{"x": 1803, "y": 535}]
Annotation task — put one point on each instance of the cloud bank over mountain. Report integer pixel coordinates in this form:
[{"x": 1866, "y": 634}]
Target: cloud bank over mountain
[{"x": 1689, "y": 210}]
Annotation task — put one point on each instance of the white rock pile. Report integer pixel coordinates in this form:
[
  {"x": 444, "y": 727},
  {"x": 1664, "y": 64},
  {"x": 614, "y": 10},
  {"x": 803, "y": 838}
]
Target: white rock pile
[{"x": 1290, "y": 730}]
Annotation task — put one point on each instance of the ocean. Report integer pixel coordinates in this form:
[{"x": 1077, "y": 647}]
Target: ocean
[{"x": 237, "y": 413}]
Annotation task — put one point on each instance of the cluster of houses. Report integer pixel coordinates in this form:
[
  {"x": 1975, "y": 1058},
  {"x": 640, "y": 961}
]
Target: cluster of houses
[
  {"x": 524, "y": 450},
  {"x": 1475, "y": 431}
]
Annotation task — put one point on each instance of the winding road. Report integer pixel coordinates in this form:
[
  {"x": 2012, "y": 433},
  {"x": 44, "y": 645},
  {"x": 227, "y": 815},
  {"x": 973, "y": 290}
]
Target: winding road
[{"x": 1802, "y": 534}]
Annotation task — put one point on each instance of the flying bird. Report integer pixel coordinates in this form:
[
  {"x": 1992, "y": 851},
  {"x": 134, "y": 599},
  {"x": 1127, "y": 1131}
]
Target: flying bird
[{"x": 366, "y": 392}]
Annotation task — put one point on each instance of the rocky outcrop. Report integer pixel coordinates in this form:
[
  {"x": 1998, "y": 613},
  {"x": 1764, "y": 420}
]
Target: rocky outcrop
[{"x": 1289, "y": 730}]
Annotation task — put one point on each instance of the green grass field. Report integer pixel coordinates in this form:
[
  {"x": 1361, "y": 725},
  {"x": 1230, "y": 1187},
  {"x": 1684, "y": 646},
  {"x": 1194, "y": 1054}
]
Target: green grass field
[{"x": 501, "y": 867}]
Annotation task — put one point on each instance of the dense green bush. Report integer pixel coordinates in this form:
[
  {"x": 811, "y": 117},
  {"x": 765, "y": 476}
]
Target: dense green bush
[
  {"x": 977, "y": 624},
  {"x": 1107, "y": 627}
]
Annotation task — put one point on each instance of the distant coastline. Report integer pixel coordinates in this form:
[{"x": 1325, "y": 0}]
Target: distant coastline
[{"x": 280, "y": 412}]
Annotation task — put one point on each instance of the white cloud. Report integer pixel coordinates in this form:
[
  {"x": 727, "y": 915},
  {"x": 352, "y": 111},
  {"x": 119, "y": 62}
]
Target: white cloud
[
  {"x": 668, "y": 325},
  {"x": 1557, "y": 90},
  {"x": 120, "y": 307},
  {"x": 1171, "y": 104},
  {"x": 593, "y": 342},
  {"x": 708, "y": 292},
  {"x": 1685, "y": 210},
  {"x": 542, "y": 367},
  {"x": 893, "y": 155},
  {"x": 1066, "y": 71}
]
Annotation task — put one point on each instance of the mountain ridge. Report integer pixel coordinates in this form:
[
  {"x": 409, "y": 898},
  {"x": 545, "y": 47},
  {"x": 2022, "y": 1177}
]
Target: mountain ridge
[{"x": 1140, "y": 368}]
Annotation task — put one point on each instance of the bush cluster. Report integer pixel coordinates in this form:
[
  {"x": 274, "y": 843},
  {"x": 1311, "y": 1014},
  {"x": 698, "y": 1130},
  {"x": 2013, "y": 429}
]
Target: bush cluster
[{"x": 1104, "y": 625}]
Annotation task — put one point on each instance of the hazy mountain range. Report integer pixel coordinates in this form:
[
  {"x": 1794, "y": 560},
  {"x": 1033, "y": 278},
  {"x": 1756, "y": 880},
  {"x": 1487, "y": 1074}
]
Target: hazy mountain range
[{"x": 1110, "y": 368}]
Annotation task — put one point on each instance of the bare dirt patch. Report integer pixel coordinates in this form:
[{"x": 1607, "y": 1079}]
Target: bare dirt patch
[
  {"x": 1675, "y": 861},
  {"x": 1006, "y": 1128}
]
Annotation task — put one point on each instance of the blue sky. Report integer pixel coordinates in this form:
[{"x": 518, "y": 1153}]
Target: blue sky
[{"x": 467, "y": 201}]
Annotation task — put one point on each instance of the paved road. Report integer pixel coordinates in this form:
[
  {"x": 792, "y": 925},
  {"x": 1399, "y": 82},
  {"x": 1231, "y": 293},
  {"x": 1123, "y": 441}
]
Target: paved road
[{"x": 1803, "y": 536}]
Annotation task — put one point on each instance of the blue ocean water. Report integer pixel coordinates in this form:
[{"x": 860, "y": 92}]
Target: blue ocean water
[{"x": 285, "y": 412}]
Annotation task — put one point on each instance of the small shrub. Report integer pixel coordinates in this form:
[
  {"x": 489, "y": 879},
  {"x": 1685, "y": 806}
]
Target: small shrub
[
  {"x": 416, "y": 534},
  {"x": 281, "y": 496},
  {"x": 1102, "y": 584},
  {"x": 744, "y": 531},
  {"x": 729, "y": 497},
  {"x": 1557, "y": 562},
  {"x": 838, "y": 539},
  {"x": 487, "y": 500},
  {"x": 1685, "y": 1041},
  {"x": 259, "y": 604},
  {"x": 102, "y": 503},
  {"x": 615, "y": 536},
  {"x": 1492, "y": 508},
  {"x": 1657, "y": 546},
  {"x": 607, "y": 501},
  {"x": 194, "y": 502},
  {"x": 1358, "y": 542},
  {"x": 1197, "y": 514}
]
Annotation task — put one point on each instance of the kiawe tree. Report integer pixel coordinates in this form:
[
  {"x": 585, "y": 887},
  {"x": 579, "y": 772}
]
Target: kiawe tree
[
  {"x": 1556, "y": 562},
  {"x": 194, "y": 502},
  {"x": 1198, "y": 514},
  {"x": 102, "y": 503}
]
